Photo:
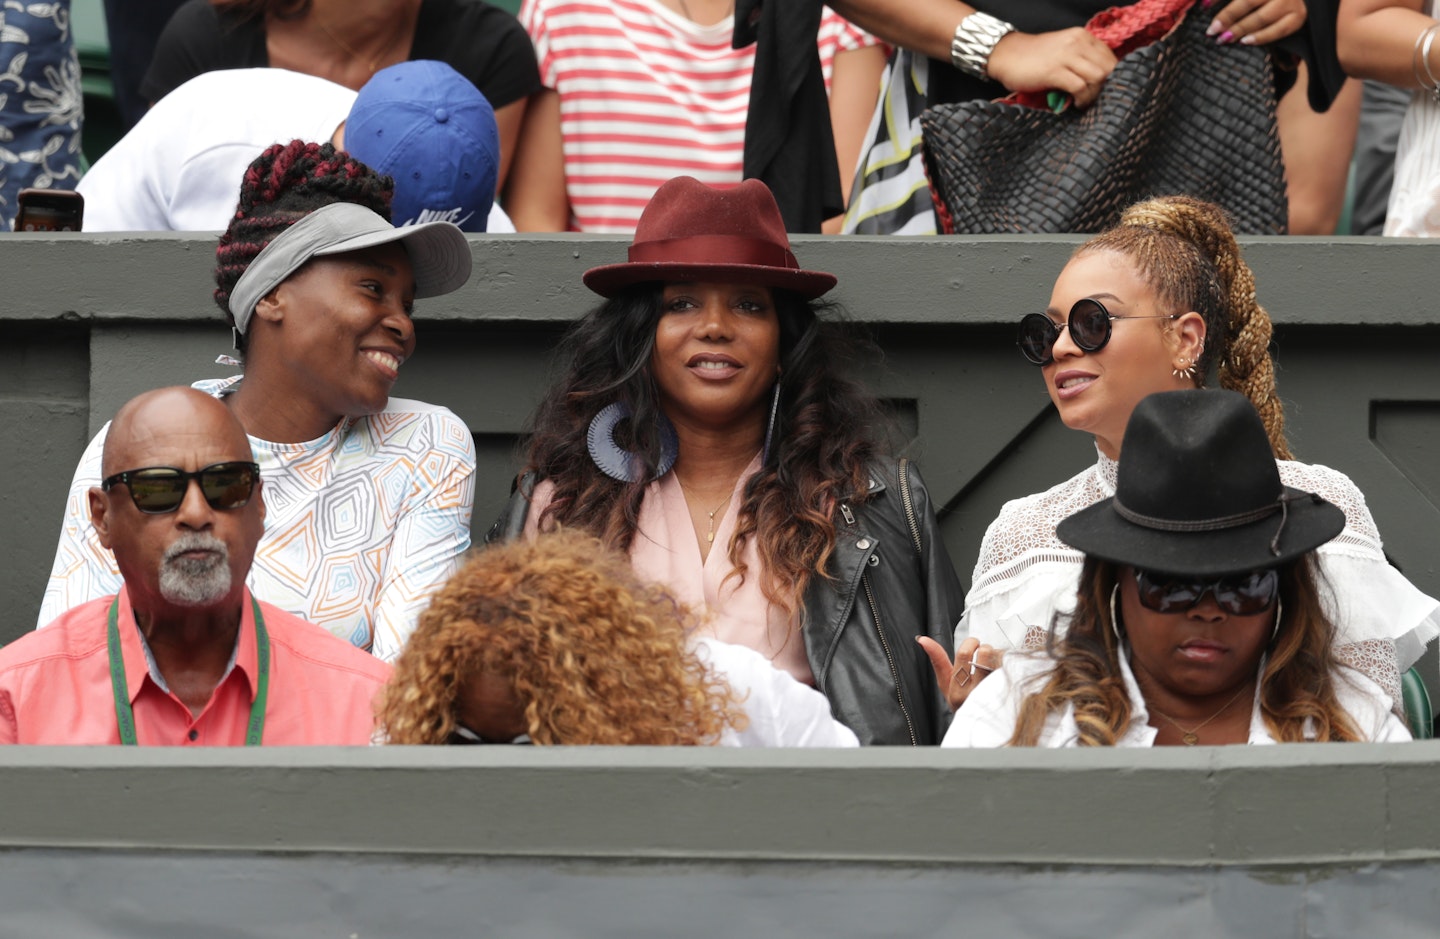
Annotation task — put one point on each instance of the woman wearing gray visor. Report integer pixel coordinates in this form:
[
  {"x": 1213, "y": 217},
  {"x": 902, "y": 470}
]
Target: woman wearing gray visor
[{"x": 368, "y": 497}]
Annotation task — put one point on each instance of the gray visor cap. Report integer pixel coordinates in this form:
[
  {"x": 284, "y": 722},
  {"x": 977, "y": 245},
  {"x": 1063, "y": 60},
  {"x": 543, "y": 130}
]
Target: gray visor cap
[{"x": 439, "y": 253}]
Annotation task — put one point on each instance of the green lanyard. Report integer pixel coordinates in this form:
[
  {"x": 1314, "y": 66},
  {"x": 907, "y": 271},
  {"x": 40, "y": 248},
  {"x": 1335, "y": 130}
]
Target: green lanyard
[{"x": 125, "y": 715}]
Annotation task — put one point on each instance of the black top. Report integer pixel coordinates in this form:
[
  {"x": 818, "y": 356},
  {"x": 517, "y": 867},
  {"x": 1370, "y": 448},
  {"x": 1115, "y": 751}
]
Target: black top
[
  {"x": 481, "y": 42},
  {"x": 789, "y": 142},
  {"x": 1314, "y": 42}
]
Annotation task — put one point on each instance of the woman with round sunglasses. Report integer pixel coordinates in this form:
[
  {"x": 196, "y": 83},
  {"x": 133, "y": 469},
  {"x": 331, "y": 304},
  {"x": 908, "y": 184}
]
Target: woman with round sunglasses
[
  {"x": 368, "y": 496},
  {"x": 1164, "y": 301},
  {"x": 1198, "y": 619},
  {"x": 706, "y": 424}
]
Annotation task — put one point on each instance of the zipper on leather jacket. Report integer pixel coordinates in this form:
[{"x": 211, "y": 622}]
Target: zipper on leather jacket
[
  {"x": 889, "y": 658},
  {"x": 909, "y": 502}
]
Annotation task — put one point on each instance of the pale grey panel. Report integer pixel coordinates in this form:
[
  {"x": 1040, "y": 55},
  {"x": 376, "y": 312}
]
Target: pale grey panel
[
  {"x": 43, "y": 409},
  {"x": 158, "y": 896},
  {"x": 126, "y": 359}
]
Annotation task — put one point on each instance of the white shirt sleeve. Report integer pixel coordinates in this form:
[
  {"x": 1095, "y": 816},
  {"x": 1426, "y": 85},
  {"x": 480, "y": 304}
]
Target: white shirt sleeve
[{"x": 782, "y": 712}]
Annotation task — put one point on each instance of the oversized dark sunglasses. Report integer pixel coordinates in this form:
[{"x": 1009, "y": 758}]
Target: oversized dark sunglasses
[
  {"x": 156, "y": 490},
  {"x": 1089, "y": 326},
  {"x": 1238, "y": 595}
]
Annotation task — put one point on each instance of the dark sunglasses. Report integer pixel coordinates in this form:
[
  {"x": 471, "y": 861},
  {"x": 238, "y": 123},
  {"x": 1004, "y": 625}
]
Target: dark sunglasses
[
  {"x": 1238, "y": 595},
  {"x": 156, "y": 490},
  {"x": 1089, "y": 326},
  {"x": 463, "y": 736}
]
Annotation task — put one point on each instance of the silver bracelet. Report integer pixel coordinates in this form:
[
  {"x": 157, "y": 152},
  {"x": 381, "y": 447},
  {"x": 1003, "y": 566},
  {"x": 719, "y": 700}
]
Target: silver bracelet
[
  {"x": 975, "y": 38},
  {"x": 1425, "y": 61}
]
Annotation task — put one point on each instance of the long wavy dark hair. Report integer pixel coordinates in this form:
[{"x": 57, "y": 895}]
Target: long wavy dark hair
[
  {"x": 1298, "y": 683},
  {"x": 826, "y": 431}
]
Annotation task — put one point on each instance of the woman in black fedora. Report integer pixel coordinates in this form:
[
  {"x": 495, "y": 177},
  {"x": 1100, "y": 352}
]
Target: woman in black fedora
[
  {"x": 1165, "y": 301},
  {"x": 707, "y": 426},
  {"x": 1198, "y": 619}
]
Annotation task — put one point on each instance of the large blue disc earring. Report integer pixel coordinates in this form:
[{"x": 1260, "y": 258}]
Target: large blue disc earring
[{"x": 617, "y": 462}]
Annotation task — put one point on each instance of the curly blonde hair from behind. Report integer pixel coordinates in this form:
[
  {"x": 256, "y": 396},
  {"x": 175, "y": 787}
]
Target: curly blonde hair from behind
[
  {"x": 593, "y": 655},
  {"x": 1186, "y": 250}
]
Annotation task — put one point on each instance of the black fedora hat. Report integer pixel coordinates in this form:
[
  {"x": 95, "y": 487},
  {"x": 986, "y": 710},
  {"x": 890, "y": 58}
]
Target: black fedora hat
[{"x": 1198, "y": 494}]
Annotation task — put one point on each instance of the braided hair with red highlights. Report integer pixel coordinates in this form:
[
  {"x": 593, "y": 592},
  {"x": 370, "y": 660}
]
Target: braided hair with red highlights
[{"x": 281, "y": 186}]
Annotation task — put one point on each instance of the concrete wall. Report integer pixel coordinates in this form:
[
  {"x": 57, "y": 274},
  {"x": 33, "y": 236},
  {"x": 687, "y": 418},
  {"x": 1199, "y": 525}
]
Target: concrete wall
[{"x": 1301, "y": 840}]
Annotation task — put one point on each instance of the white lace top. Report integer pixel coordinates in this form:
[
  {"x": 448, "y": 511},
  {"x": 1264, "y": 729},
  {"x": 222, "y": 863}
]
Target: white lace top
[{"x": 1025, "y": 575}]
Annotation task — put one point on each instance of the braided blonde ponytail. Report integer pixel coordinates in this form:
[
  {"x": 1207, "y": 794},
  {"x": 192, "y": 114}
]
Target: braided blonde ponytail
[{"x": 1245, "y": 362}]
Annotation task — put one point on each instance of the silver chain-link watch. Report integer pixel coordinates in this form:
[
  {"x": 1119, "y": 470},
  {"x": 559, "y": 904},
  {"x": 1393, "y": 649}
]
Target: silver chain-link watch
[{"x": 975, "y": 39}]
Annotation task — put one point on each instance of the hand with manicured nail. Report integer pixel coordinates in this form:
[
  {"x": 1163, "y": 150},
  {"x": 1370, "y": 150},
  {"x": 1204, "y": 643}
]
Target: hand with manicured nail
[
  {"x": 1256, "y": 22},
  {"x": 958, "y": 678}
]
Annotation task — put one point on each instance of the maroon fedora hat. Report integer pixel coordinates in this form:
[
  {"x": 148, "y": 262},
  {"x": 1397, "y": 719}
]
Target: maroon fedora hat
[{"x": 693, "y": 232}]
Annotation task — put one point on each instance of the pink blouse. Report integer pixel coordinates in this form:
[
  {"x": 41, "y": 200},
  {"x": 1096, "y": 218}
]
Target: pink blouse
[{"x": 665, "y": 550}]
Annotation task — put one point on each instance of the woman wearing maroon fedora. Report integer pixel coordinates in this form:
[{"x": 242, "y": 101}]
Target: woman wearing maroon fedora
[
  {"x": 1198, "y": 619},
  {"x": 706, "y": 426}
]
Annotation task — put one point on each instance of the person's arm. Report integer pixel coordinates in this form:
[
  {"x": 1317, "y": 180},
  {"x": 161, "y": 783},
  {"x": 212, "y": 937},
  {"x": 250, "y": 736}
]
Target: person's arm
[
  {"x": 924, "y": 26},
  {"x": 508, "y": 121},
  {"x": 1068, "y": 60},
  {"x": 854, "y": 88},
  {"x": 83, "y": 568},
  {"x": 430, "y": 540},
  {"x": 1377, "y": 39},
  {"x": 535, "y": 192}
]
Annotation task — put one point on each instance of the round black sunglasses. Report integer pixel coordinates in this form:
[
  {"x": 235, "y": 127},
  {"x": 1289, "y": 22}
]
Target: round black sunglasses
[{"x": 1089, "y": 326}]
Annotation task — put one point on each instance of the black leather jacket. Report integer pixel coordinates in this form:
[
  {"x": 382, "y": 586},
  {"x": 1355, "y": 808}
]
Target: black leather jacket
[{"x": 890, "y": 581}]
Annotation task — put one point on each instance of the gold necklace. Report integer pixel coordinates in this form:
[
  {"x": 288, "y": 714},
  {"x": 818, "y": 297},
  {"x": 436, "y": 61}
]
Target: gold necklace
[
  {"x": 710, "y": 536},
  {"x": 1190, "y": 737},
  {"x": 374, "y": 63}
]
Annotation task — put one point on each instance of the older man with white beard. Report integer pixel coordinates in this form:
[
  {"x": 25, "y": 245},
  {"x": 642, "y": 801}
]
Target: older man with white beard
[{"x": 183, "y": 655}]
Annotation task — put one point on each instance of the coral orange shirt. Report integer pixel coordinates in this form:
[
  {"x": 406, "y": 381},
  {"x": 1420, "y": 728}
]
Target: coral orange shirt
[{"x": 55, "y": 685}]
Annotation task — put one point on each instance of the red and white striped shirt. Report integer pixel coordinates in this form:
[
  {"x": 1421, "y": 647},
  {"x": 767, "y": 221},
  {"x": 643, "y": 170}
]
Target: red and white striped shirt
[{"x": 647, "y": 95}]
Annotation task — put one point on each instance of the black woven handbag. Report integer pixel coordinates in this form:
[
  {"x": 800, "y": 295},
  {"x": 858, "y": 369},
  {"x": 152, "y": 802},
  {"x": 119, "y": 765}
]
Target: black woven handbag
[{"x": 1182, "y": 115}]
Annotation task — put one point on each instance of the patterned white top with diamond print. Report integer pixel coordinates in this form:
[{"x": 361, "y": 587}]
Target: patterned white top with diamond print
[
  {"x": 361, "y": 525},
  {"x": 1025, "y": 575}
]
